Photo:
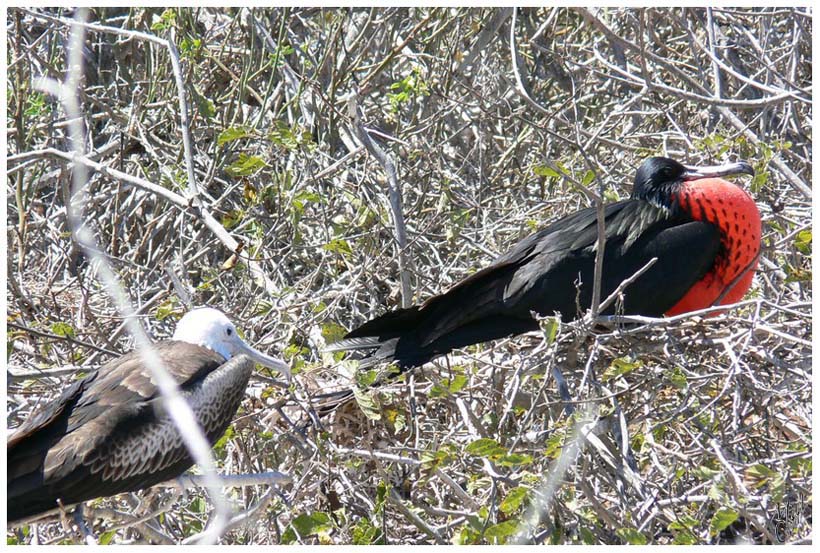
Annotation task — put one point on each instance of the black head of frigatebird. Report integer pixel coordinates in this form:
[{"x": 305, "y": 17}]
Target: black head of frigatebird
[{"x": 658, "y": 179}]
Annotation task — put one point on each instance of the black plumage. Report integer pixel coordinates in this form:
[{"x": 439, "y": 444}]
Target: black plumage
[{"x": 551, "y": 272}]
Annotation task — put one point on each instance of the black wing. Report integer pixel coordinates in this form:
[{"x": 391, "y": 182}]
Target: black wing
[{"x": 551, "y": 272}]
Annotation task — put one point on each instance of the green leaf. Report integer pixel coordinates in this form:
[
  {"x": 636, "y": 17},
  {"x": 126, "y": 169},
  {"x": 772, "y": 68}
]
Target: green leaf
[
  {"x": 587, "y": 536},
  {"x": 368, "y": 403},
  {"x": 685, "y": 537},
  {"x": 166, "y": 309},
  {"x": 246, "y": 166},
  {"x": 502, "y": 531},
  {"x": 588, "y": 177},
  {"x": 197, "y": 505},
  {"x": 545, "y": 171},
  {"x": 63, "y": 329},
  {"x": 631, "y": 536},
  {"x": 619, "y": 367},
  {"x": 333, "y": 332},
  {"x": 232, "y": 218},
  {"x": 164, "y": 21},
  {"x": 339, "y": 246},
  {"x": 722, "y": 519},
  {"x": 230, "y": 432},
  {"x": 554, "y": 445},
  {"x": 514, "y": 499},
  {"x": 397, "y": 419},
  {"x": 803, "y": 242},
  {"x": 289, "y": 138},
  {"x": 382, "y": 488},
  {"x": 448, "y": 386},
  {"x": 466, "y": 535},
  {"x": 365, "y": 533},
  {"x": 485, "y": 447},
  {"x": 549, "y": 326},
  {"x": 308, "y": 524},
  {"x": 760, "y": 473},
  {"x": 514, "y": 460},
  {"x": 232, "y": 133},
  {"x": 677, "y": 378},
  {"x": 705, "y": 473},
  {"x": 683, "y": 522},
  {"x": 366, "y": 378},
  {"x": 35, "y": 104},
  {"x": 304, "y": 197},
  {"x": 777, "y": 487}
]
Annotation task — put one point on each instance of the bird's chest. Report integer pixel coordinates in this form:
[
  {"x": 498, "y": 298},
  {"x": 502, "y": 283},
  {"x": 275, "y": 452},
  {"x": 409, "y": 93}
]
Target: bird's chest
[{"x": 735, "y": 214}]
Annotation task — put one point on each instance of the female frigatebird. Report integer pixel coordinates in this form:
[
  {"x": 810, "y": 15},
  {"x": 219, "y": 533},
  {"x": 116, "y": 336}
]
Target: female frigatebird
[
  {"x": 704, "y": 232},
  {"x": 108, "y": 433}
]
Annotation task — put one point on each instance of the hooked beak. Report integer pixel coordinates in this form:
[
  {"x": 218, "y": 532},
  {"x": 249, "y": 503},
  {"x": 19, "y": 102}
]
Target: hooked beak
[
  {"x": 262, "y": 359},
  {"x": 693, "y": 173}
]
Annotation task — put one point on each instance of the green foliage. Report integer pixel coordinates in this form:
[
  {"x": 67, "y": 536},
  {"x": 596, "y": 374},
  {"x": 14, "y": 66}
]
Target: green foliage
[
  {"x": 549, "y": 327},
  {"x": 545, "y": 171},
  {"x": 36, "y": 105},
  {"x": 677, "y": 378},
  {"x": 802, "y": 242},
  {"x": 554, "y": 445},
  {"x": 232, "y": 218},
  {"x": 631, "y": 536},
  {"x": 514, "y": 500},
  {"x": 448, "y": 386},
  {"x": 169, "y": 307},
  {"x": 369, "y": 403},
  {"x": 620, "y": 367},
  {"x": 396, "y": 418},
  {"x": 332, "y": 332},
  {"x": 233, "y": 133},
  {"x": 190, "y": 48},
  {"x": 246, "y": 166},
  {"x": 500, "y": 533},
  {"x": 684, "y": 530},
  {"x": 487, "y": 447},
  {"x": 340, "y": 247},
  {"x": 219, "y": 446},
  {"x": 365, "y": 533},
  {"x": 167, "y": 20},
  {"x": 106, "y": 537},
  {"x": 435, "y": 459},
  {"x": 307, "y": 525},
  {"x": 722, "y": 519},
  {"x": 291, "y": 138},
  {"x": 588, "y": 178},
  {"x": 277, "y": 59},
  {"x": 365, "y": 378},
  {"x": 408, "y": 89},
  {"x": 63, "y": 329}
]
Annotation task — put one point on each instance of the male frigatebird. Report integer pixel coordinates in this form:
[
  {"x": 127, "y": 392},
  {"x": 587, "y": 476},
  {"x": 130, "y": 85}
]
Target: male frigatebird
[
  {"x": 704, "y": 232},
  {"x": 108, "y": 433}
]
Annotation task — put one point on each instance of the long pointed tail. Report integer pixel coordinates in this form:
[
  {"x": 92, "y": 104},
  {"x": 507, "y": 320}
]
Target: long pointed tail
[{"x": 391, "y": 338}]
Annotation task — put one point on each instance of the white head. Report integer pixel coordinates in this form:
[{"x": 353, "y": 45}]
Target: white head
[{"x": 205, "y": 326}]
